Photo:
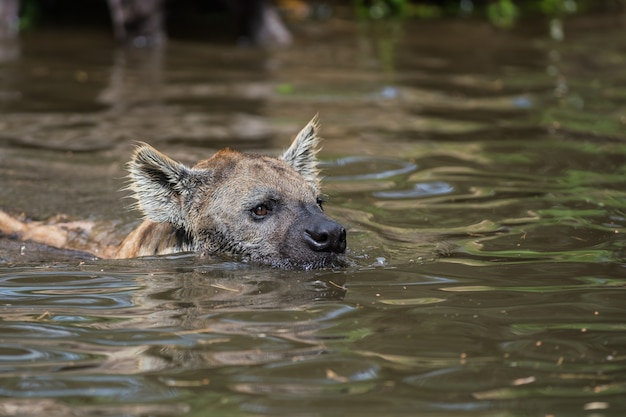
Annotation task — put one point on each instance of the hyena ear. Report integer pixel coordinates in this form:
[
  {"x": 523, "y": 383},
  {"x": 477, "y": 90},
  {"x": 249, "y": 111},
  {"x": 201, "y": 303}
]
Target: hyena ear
[
  {"x": 301, "y": 155},
  {"x": 159, "y": 184}
]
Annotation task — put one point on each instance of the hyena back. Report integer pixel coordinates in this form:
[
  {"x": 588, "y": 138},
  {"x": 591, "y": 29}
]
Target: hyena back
[{"x": 260, "y": 208}]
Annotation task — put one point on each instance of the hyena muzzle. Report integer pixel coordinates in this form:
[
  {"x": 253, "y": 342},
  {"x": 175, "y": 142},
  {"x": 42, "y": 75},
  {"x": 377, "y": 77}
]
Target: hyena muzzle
[{"x": 255, "y": 207}]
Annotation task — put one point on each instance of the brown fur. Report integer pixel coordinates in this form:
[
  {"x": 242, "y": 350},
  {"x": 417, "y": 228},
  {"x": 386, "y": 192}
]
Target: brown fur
[
  {"x": 57, "y": 232},
  {"x": 208, "y": 208}
]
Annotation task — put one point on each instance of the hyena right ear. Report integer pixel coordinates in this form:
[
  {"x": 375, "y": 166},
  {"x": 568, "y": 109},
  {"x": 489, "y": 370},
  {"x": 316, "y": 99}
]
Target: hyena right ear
[
  {"x": 159, "y": 184},
  {"x": 302, "y": 154}
]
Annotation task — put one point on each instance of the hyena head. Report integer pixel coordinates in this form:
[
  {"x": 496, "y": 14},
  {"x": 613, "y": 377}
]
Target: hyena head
[{"x": 261, "y": 208}]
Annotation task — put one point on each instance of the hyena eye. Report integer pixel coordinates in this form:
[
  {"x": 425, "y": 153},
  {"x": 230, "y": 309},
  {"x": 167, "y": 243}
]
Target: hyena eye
[
  {"x": 320, "y": 202},
  {"x": 260, "y": 211}
]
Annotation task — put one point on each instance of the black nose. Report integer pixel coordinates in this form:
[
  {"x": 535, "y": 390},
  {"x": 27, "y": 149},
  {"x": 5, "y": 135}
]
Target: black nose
[{"x": 326, "y": 236}]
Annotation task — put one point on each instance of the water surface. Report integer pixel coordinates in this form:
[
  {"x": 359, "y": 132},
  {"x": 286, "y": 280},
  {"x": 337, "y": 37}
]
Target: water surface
[{"x": 480, "y": 174}]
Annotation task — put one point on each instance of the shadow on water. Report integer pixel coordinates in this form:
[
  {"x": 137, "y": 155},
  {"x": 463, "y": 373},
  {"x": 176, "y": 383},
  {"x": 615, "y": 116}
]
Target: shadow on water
[{"x": 483, "y": 193}]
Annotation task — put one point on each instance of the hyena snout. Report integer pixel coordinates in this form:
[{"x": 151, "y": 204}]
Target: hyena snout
[{"x": 325, "y": 235}]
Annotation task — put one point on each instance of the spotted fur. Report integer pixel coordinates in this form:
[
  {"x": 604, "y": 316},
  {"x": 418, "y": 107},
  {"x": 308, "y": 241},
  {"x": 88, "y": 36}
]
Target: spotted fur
[{"x": 255, "y": 207}]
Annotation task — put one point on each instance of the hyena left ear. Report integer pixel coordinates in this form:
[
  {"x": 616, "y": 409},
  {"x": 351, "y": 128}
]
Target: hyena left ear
[
  {"x": 159, "y": 184},
  {"x": 301, "y": 155}
]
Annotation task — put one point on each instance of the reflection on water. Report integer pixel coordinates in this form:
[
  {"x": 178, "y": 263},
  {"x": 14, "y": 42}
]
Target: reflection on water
[
  {"x": 483, "y": 192},
  {"x": 370, "y": 168}
]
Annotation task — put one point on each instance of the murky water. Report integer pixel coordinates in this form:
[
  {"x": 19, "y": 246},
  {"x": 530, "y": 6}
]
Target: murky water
[{"x": 481, "y": 175}]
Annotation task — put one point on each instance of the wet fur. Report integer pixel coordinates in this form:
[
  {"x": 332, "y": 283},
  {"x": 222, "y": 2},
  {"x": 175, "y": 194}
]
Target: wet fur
[{"x": 206, "y": 208}]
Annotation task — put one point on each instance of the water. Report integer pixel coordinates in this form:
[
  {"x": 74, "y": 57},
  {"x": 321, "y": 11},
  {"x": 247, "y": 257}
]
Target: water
[{"x": 480, "y": 174}]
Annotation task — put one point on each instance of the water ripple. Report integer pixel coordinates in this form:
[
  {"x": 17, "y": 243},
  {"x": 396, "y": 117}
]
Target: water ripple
[
  {"x": 367, "y": 168},
  {"x": 424, "y": 189}
]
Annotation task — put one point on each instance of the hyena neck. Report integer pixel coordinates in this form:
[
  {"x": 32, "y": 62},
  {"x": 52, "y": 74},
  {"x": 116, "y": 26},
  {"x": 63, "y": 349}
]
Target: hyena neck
[
  {"x": 156, "y": 238},
  {"x": 184, "y": 240},
  {"x": 153, "y": 238}
]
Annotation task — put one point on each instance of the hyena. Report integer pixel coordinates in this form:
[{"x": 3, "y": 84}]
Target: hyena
[
  {"x": 258, "y": 208},
  {"x": 255, "y": 207}
]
